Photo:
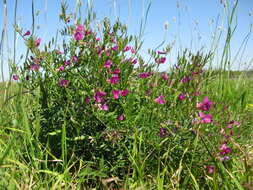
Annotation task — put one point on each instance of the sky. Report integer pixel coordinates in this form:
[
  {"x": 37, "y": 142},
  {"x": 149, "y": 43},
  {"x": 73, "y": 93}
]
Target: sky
[{"x": 191, "y": 23}]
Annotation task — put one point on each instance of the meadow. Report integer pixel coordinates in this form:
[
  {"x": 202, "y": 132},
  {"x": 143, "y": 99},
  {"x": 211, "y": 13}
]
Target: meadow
[{"x": 90, "y": 112}]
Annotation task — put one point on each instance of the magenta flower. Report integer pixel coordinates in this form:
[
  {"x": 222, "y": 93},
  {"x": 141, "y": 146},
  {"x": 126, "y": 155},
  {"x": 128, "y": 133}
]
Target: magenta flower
[
  {"x": 15, "y": 77},
  {"x": 127, "y": 48},
  {"x": 75, "y": 59},
  {"x": 87, "y": 100},
  {"x": 134, "y": 61},
  {"x": 181, "y": 96},
  {"x": 116, "y": 94},
  {"x": 98, "y": 39},
  {"x": 145, "y": 75},
  {"x": 34, "y": 67},
  {"x": 115, "y": 48},
  {"x": 160, "y": 100},
  {"x": 121, "y": 117},
  {"x": 116, "y": 71},
  {"x": 163, "y": 132},
  {"x": 205, "y": 118},
  {"x": 224, "y": 149},
  {"x": 108, "y": 64},
  {"x": 79, "y": 28},
  {"x": 164, "y": 76},
  {"x": 27, "y": 33},
  {"x": 186, "y": 79},
  {"x": 66, "y": 63},
  {"x": 114, "y": 79},
  {"x": 210, "y": 169},
  {"x": 61, "y": 68},
  {"x": 99, "y": 96},
  {"x": 104, "y": 107},
  {"x": 38, "y": 42},
  {"x": 161, "y": 60},
  {"x": 205, "y": 105},
  {"x": 133, "y": 50},
  {"x": 78, "y": 36},
  {"x": 124, "y": 92},
  {"x": 63, "y": 83}
]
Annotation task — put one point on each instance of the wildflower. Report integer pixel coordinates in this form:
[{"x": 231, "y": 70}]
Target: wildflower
[
  {"x": 79, "y": 28},
  {"x": 224, "y": 149},
  {"x": 75, "y": 59},
  {"x": 160, "y": 100},
  {"x": 161, "y": 60},
  {"x": 104, "y": 107},
  {"x": 181, "y": 96},
  {"x": 67, "y": 62},
  {"x": 186, "y": 79},
  {"x": 145, "y": 75},
  {"x": 34, "y": 67},
  {"x": 205, "y": 118},
  {"x": 99, "y": 96},
  {"x": 164, "y": 76},
  {"x": 163, "y": 132},
  {"x": 87, "y": 100},
  {"x": 78, "y": 35},
  {"x": 134, "y": 61},
  {"x": 205, "y": 105},
  {"x": 116, "y": 94},
  {"x": 124, "y": 92},
  {"x": 61, "y": 68},
  {"x": 27, "y": 33},
  {"x": 133, "y": 51},
  {"x": 98, "y": 39},
  {"x": 38, "y": 42},
  {"x": 63, "y": 83},
  {"x": 108, "y": 64},
  {"x": 115, "y": 48},
  {"x": 116, "y": 71},
  {"x": 225, "y": 158},
  {"x": 121, "y": 117},
  {"x": 114, "y": 79},
  {"x": 127, "y": 48},
  {"x": 15, "y": 77},
  {"x": 210, "y": 169}
]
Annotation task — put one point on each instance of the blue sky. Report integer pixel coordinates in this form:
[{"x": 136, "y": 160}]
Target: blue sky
[{"x": 188, "y": 20}]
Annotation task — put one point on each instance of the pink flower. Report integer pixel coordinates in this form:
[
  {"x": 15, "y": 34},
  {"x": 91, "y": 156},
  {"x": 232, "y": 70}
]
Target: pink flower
[
  {"x": 78, "y": 35},
  {"x": 115, "y": 48},
  {"x": 67, "y": 62},
  {"x": 34, "y": 67},
  {"x": 186, "y": 79},
  {"x": 224, "y": 149},
  {"x": 133, "y": 51},
  {"x": 163, "y": 132},
  {"x": 75, "y": 59},
  {"x": 116, "y": 71},
  {"x": 38, "y": 42},
  {"x": 210, "y": 169},
  {"x": 205, "y": 105},
  {"x": 27, "y": 33},
  {"x": 181, "y": 96},
  {"x": 63, "y": 83},
  {"x": 116, "y": 93},
  {"x": 104, "y": 107},
  {"x": 99, "y": 96},
  {"x": 160, "y": 100},
  {"x": 205, "y": 118},
  {"x": 121, "y": 117},
  {"x": 127, "y": 48},
  {"x": 114, "y": 79},
  {"x": 61, "y": 68},
  {"x": 161, "y": 60},
  {"x": 124, "y": 92},
  {"x": 108, "y": 64},
  {"x": 145, "y": 75},
  {"x": 87, "y": 100},
  {"x": 164, "y": 76},
  {"x": 15, "y": 77},
  {"x": 134, "y": 61},
  {"x": 98, "y": 39},
  {"x": 79, "y": 28}
]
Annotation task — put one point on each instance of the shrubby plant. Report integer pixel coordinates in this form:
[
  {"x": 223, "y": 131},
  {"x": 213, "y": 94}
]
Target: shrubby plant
[{"x": 98, "y": 101}]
